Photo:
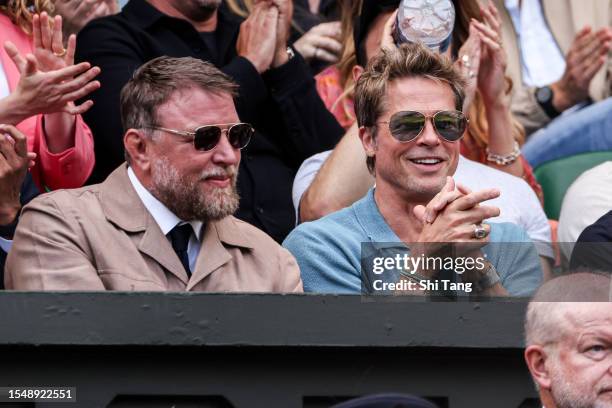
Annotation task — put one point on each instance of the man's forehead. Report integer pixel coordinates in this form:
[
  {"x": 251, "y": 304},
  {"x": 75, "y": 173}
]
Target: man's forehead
[
  {"x": 198, "y": 107},
  {"x": 419, "y": 93},
  {"x": 584, "y": 316}
]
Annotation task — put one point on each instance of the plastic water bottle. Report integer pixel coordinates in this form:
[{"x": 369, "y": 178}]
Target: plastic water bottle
[{"x": 428, "y": 21}]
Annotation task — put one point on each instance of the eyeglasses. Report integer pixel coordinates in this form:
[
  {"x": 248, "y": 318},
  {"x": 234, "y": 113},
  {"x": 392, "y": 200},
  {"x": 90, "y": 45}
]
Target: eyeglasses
[
  {"x": 408, "y": 125},
  {"x": 206, "y": 137}
]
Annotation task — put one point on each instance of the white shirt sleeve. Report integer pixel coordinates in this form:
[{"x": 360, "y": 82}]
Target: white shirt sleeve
[{"x": 304, "y": 177}]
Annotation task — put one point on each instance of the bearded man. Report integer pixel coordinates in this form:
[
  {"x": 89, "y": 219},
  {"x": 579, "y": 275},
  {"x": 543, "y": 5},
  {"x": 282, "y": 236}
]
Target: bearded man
[{"x": 163, "y": 220}]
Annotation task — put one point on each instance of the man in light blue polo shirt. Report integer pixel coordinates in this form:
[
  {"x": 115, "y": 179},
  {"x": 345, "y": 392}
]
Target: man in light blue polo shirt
[{"x": 408, "y": 104}]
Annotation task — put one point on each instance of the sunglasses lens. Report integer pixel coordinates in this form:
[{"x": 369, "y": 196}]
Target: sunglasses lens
[
  {"x": 207, "y": 137},
  {"x": 240, "y": 135},
  {"x": 450, "y": 125},
  {"x": 406, "y": 126}
]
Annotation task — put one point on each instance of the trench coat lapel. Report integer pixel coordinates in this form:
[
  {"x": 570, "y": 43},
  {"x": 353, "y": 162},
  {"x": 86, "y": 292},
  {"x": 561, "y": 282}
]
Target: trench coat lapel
[
  {"x": 123, "y": 208},
  {"x": 216, "y": 238}
]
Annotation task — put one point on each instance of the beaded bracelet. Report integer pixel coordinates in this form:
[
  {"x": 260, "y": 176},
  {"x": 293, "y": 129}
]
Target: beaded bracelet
[{"x": 505, "y": 159}]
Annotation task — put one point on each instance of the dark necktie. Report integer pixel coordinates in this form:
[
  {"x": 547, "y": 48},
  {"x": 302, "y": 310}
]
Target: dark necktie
[{"x": 179, "y": 237}]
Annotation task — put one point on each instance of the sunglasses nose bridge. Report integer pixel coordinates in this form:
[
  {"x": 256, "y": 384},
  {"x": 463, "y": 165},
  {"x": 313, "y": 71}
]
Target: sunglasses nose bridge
[{"x": 429, "y": 133}]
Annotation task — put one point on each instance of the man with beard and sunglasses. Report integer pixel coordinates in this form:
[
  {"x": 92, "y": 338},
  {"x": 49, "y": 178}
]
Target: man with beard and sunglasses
[
  {"x": 568, "y": 330},
  {"x": 163, "y": 220},
  {"x": 277, "y": 93},
  {"x": 408, "y": 104}
]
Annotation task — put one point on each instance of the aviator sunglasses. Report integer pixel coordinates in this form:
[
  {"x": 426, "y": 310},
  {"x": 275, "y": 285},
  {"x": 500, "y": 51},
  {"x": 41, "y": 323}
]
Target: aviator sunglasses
[
  {"x": 408, "y": 125},
  {"x": 206, "y": 137}
]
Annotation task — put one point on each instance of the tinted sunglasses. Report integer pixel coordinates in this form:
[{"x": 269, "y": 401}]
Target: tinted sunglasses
[
  {"x": 206, "y": 137},
  {"x": 408, "y": 125}
]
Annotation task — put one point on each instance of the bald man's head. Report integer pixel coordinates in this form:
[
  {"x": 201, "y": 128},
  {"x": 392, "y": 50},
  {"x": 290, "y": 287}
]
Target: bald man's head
[
  {"x": 545, "y": 322},
  {"x": 569, "y": 341}
]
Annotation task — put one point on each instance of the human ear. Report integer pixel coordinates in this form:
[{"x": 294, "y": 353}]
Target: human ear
[
  {"x": 357, "y": 71},
  {"x": 138, "y": 148},
  {"x": 536, "y": 357},
  {"x": 368, "y": 140}
]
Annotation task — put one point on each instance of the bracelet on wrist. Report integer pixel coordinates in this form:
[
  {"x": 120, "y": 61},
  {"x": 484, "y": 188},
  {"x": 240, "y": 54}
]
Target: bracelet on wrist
[{"x": 504, "y": 159}]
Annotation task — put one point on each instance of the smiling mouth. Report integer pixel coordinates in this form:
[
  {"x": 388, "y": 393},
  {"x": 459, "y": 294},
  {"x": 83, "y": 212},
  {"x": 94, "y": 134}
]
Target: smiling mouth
[{"x": 427, "y": 161}]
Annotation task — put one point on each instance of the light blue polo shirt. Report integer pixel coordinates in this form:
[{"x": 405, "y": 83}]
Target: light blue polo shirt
[{"x": 328, "y": 250}]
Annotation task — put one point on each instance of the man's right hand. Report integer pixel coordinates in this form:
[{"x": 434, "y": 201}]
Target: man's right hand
[
  {"x": 452, "y": 215},
  {"x": 586, "y": 56},
  {"x": 257, "y": 37}
]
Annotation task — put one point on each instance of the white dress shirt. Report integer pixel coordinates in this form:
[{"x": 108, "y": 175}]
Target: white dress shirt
[
  {"x": 166, "y": 219},
  {"x": 542, "y": 62}
]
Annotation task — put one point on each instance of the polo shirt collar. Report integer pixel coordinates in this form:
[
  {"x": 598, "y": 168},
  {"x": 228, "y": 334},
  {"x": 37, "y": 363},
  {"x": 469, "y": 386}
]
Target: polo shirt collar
[{"x": 372, "y": 221}]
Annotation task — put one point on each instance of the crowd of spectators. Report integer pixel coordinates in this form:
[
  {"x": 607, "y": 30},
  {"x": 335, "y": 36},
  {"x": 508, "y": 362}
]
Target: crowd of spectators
[
  {"x": 289, "y": 145},
  {"x": 83, "y": 89}
]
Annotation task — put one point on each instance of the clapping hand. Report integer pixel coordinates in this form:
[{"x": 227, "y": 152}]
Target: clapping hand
[
  {"x": 49, "y": 81},
  {"x": 493, "y": 61},
  {"x": 257, "y": 38},
  {"x": 321, "y": 42},
  {"x": 14, "y": 163},
  {"x": 77, "y": 13}
]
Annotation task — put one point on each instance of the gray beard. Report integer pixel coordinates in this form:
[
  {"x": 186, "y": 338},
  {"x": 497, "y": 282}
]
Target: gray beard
[
  {"x": 184, "y": 197},
  {"x": 566, "y": 395}
]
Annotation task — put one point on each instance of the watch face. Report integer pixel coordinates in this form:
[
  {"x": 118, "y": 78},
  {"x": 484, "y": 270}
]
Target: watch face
[
  {"x": 428, "y": 21},
  {"x": 544, "y": 94}
]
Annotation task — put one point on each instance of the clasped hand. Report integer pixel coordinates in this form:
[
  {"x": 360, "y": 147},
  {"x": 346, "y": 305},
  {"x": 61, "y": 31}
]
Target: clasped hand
[{"x": 49, "y": 81}]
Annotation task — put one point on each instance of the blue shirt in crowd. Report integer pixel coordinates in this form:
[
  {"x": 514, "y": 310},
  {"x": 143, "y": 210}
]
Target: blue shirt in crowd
[{"x": 328, "y": 250}]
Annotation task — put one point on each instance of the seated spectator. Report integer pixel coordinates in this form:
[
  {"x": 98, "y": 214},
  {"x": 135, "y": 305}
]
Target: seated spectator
[
  {"x": 77, "y": 13},
  {"x": 313, "y": 33},
  {"x": 487, "y": 100},
  {"x": 277, "y": 92},
  {"x": 38, "y": 85},
  {"x": 569, "y": 341},
  {"x": 517, "y": 202},
  {"x": 593, "y": 249},
  {"x": 559, "y": 61},
  {"x": 163, "y": 220},
  {"x": 16, "y": 186},
  {"x": 342, "y": 180},
  {"x": 408, "y": 105},
  {"x": 588, "y": 198}
]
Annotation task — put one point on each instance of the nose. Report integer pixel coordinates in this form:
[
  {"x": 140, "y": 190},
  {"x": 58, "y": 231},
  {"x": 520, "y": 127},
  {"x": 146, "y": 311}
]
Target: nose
[
  {"x": 428, "y": 136},
  {"x": 224, "y": 153}
]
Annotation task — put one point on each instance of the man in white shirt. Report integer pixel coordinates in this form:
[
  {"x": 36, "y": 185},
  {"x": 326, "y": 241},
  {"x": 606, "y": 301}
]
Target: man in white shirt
[{"x": 163, "y": 221}]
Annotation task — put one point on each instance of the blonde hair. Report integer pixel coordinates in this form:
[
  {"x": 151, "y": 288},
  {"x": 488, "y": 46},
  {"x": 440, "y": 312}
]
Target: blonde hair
[
  {"x": 349, "y": 9},
  {"x": 21, "y": 11}
]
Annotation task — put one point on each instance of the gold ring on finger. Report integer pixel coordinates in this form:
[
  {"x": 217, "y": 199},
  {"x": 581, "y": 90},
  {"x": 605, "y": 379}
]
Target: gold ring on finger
[{"x": 61, "y": 53}]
